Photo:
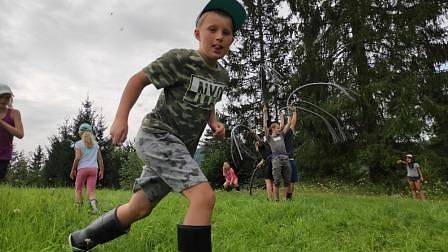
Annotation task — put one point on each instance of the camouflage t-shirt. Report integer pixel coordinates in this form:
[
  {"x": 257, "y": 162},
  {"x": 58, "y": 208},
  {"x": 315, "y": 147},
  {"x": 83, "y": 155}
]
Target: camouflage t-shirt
[{"x": 191, "y": 89}]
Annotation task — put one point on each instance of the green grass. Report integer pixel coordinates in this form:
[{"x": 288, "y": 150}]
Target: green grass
[{"x": 41, "y": 219}]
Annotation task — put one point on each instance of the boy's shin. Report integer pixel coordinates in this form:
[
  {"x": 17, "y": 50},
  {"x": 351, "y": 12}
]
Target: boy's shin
[
  {"x": 101, "y": 230},
  {"x": 194, "y": 238}
]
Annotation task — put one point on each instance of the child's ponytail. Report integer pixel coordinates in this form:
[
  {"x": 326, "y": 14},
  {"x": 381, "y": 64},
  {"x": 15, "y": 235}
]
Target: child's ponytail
[{"x": 87, "y": 137}]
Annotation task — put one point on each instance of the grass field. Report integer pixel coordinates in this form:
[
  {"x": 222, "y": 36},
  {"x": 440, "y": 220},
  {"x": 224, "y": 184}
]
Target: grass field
[{"x": 41, "y": 219}]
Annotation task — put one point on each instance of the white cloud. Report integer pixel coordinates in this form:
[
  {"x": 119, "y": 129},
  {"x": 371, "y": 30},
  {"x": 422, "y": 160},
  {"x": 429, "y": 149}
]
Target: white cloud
[{"x": 56, "y": 52}]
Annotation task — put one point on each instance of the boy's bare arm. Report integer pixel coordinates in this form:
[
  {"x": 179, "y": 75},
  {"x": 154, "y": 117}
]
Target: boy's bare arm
[{"x": 132, "y": 91}]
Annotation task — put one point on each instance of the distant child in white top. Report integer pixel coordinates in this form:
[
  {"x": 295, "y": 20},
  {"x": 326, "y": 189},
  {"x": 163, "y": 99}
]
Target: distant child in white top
[
  {"x": 85, "y": 165},
  {"x": 415, "y": 176}
]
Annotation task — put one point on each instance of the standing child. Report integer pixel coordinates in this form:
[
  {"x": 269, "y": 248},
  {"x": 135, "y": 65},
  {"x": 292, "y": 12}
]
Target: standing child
[
  {"x": 85, "y": 165},
  {"x": 10, "y": 127},
  {"x": 230, "y": 176},
  {"x": 264, "y": 149},
  {"x": 192, "y": 82},
  {"x": 280, "y": 160},
  {"x": 415, "y": 177},
  {"x": 289, "y": 145}
]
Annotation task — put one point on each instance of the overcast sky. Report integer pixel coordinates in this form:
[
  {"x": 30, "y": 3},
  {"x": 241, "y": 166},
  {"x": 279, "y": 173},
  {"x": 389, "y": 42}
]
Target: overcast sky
[{"x": 56, "y": 52}]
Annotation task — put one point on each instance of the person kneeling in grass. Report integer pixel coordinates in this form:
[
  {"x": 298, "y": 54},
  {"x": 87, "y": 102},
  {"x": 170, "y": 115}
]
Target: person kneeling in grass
[{"x": 230, "y": 176}]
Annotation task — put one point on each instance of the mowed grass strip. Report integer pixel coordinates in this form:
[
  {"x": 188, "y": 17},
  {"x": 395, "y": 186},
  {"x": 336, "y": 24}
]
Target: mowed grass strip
[{"x": 34, "y": 219}]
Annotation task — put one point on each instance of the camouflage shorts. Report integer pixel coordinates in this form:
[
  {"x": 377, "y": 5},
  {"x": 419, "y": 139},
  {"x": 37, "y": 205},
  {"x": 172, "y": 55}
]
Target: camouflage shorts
[{"x": 168, "y": 165}]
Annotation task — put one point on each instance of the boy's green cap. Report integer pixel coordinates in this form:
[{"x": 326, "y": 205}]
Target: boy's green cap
[
  {"x": 85, "y": 127},
  {"x": 232, "y": 7}
]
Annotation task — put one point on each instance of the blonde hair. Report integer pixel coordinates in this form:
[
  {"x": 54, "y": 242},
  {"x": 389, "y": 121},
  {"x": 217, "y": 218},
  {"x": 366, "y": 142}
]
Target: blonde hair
[{"x": 88, "y": 138}]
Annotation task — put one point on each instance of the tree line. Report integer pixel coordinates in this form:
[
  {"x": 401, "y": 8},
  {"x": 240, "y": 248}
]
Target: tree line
[{"x": 393, "y": 54}]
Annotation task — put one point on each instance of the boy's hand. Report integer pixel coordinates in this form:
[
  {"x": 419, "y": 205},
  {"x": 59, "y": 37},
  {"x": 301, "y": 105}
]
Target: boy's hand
[
  {"x": 218, "y": 129},
  {"x": 119, "y": 131}
]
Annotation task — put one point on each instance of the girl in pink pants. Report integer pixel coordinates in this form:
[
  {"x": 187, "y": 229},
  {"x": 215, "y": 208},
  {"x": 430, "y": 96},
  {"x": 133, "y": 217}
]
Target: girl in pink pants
[{"x": 87, "y": 165}]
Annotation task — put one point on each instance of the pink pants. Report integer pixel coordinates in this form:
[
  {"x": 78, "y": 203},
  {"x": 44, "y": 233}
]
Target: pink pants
[{"x": 86, "y": 176}]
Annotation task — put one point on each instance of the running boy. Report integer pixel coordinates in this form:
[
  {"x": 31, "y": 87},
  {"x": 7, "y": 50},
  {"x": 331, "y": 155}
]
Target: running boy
[{"x": 192, "y": 82}]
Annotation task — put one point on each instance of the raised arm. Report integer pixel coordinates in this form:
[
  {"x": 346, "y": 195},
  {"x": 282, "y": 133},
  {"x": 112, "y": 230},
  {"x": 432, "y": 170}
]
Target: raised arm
[
  {"x": 133, "y": 89},
  {"x": 293, "y": 118},
  {"x": 265, "y": 120},
  {"x": 282, "y": 120}
]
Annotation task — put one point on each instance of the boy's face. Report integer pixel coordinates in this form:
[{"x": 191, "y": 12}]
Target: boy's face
[{"x": 215, "y": 35}]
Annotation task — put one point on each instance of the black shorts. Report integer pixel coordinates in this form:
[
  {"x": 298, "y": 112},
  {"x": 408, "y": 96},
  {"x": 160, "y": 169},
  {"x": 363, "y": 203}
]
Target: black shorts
[
  {"x": 268, "y": 170},
  {"x": 413, "y": 179},
  {"x": 4, "y": 164}
]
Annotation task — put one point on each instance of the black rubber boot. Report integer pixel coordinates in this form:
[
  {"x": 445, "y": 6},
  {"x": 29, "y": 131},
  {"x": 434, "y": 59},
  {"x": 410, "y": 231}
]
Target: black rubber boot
[
  {"x": 101, "y": 230},
  {"x": 194, "y": 238}
]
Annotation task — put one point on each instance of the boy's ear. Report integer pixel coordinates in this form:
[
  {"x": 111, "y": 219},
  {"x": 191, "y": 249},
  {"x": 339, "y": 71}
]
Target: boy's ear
[{"x": 196, "y": 34}]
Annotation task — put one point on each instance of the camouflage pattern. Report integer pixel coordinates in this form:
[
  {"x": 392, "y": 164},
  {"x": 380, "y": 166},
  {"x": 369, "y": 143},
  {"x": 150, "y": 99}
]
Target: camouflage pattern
[
  {"x": 168, "y": 165},
  {"x": 281, "y": 169},
  {"x": 190, "y": 91}
]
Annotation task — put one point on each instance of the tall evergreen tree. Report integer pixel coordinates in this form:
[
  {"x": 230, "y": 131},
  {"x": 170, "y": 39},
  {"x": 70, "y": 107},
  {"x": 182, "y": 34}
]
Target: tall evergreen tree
[
  {"x": 262, "y": 46},
  {"x": 36, "y": 166},
  {"x": 56, "y": 171},
  {"x": 18, "y": 170}
]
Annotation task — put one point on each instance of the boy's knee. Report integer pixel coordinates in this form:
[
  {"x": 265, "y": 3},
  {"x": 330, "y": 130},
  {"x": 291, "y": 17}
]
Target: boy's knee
[
  {"x": 206, "y": 199},
  {"x": 209, "y": 198}
]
